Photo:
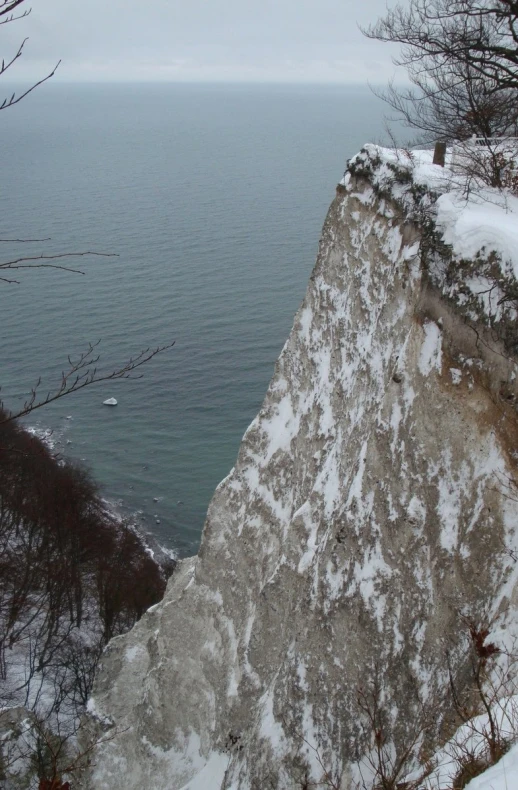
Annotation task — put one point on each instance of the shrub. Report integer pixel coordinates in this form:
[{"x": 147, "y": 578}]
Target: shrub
[{"x": 71, "y": 576}]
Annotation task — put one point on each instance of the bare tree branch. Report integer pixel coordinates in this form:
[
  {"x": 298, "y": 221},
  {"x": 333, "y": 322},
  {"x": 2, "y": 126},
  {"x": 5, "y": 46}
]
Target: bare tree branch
[
  {"x": 8, "y": 6},
  {"x": 482, "y": 33},
  {"x": 7, "y": 11},
  {"x": 13, "y": 18},
  {"x": 15, "y": 99},
  {"x": 461, "y": 57},
  {"x": 23, "y": 241},
  {"x": 83, "y": 373},
  {"x": 30, "y": 262},
  {"x": 7, "y": 15}
]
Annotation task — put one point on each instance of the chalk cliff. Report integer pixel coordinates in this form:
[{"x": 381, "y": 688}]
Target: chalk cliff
[{"x": 369, "y": 516}]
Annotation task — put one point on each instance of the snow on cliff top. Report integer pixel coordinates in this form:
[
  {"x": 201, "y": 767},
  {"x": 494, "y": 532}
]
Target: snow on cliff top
[
  {"x": 484, "y": 221},
  {"x": 502, "y": 776}
]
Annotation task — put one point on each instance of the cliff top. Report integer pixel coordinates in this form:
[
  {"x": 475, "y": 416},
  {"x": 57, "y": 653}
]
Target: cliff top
[{"x": 473, "y": 218}]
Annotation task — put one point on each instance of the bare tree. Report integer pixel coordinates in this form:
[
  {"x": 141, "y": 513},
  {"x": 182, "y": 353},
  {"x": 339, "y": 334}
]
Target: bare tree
[
  {"x": 480, "y": 33},
  {"x": 454, "y": 103},
  {"x": 462, "y": 60},
  {"x": 71, "y": 577},
  {"x": 461, "y": 57}
]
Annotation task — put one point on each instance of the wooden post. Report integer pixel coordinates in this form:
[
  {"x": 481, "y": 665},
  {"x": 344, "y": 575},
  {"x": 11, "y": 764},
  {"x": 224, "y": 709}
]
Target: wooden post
[{"x": 439, "y": 154}]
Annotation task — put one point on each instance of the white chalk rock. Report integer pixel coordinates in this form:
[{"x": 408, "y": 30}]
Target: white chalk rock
[{"x": 368, "y": 513}]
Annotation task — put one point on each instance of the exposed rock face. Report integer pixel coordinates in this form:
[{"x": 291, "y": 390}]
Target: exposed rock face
[{"x": 368, "y": 516}]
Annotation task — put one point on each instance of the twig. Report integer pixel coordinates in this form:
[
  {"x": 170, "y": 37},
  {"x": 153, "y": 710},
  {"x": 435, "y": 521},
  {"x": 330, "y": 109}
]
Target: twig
[
  {"x": 28, "y": 263},
  {"x": 14, "y": 99},
  {"x": 22, "y": 241},
  {"x": 83, "y": 373}
]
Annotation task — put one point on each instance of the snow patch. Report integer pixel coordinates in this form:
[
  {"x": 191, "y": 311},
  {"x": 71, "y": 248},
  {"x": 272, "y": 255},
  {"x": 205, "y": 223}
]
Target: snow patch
[{"x": 431, "y": 350}]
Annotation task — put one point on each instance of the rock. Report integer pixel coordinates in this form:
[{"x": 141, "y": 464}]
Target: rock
[
  {"x": 110, "y": 402},
  {"x": 362, "y": 526}
]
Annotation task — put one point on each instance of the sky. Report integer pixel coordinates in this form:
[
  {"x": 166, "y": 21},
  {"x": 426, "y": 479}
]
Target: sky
[{"x": 199, "y": 40}]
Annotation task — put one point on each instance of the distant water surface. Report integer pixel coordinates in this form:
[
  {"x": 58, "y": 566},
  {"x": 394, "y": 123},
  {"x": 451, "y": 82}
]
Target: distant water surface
[{"x": 213, "y": 198}]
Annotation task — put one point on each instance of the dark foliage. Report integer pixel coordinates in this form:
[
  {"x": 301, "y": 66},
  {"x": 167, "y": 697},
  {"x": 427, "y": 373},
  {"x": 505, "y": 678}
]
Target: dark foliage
[
  {"x": 482, "y": 648},
  {"x": 66, "y": 568}
]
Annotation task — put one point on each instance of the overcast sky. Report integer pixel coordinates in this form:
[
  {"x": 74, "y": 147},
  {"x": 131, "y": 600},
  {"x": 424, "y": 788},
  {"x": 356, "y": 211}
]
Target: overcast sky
[{"x": 207, "y": 40}]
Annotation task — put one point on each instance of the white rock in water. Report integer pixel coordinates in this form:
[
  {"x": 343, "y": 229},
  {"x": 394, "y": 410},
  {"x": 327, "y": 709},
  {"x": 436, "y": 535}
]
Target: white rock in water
[{"x": 110, "y": 402}]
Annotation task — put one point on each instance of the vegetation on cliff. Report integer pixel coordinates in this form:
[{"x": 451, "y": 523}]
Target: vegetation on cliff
[{"x": 72, "y": 576}]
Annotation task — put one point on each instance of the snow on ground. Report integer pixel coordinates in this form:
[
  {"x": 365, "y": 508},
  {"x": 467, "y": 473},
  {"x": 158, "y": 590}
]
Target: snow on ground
[
  {"x": 485, "y": 220},
  {"x": 431, "y": 351},
  {"x": 479, "y": 220},
  {"x": 211, "y": 776},
  {"x": 502, "y": 776},
  {"x": 480, "y": 224},
  {"x": 471, "y": 739}
]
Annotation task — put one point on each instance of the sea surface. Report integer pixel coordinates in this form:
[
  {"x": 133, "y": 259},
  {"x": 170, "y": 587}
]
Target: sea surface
[{"x": 213, "y": 199}]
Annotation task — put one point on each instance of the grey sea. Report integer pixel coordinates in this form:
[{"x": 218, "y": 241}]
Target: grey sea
[{"x": 213, "y": 199}]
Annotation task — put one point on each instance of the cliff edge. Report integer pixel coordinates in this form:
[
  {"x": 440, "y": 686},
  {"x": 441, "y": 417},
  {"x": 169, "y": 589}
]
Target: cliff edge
[{"x": 369, "y": 517}]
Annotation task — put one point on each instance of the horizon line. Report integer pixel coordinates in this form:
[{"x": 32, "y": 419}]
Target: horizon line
[{"x": 207, "y": 82}]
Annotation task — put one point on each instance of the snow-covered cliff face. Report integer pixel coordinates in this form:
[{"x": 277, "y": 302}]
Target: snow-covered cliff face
[{"x": 369, "y": 516}]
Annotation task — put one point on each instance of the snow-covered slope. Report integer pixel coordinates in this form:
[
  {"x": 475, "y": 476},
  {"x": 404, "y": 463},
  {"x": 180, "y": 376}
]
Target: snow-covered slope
[
  {"x": 502, "y": 776},
  {"x": 370, "y": 515}
]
